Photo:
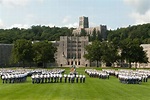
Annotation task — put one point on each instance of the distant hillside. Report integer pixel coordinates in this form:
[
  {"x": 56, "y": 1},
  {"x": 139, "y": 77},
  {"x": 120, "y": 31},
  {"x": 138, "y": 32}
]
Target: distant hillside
[
  {"x": 34, "y": 33},
  {"x": 140, "y": 33}
]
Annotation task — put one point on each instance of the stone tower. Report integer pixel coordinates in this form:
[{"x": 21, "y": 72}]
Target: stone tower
[{"x": 83, "y": 22}]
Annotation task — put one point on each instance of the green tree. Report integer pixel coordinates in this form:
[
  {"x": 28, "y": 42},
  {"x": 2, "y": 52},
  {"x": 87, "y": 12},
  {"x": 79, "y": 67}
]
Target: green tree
[
  {"x": 94, "y": 52},
  {"x": 133, "y": 52},
  {"x": 22, "y": 51},
  {"x": 44, "y": 52},
  {"x": 109, "y": 53},
  {"x": 94, "y": 35},
  {"x": 99, "y": 36},
  {"x": 83, "y": 32}
]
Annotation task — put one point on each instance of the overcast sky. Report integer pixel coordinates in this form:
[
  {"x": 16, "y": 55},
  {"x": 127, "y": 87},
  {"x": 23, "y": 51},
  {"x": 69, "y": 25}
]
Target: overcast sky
[{"x": 113, "y": 13}]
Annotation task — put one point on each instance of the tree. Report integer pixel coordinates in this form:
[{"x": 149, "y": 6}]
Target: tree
[
  {"x": 99, "y": 36},
  {"x": 44, "y": 52},
  {"x": 139, "y": 56},
  {"x": 133, "y": 52},
  {"x": 109, "y": 53},
  {"x": 83, "y": 32},
  {"x": 94, "y": 52},
  {"x": 94, "y": 35},
  {"x": 22, "y": 51}
]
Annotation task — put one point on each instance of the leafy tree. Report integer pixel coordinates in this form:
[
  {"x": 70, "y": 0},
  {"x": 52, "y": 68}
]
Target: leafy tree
[
  {"x": 22, "y": 51},
  {"x": 132, "y": 52},
  {"x": 83, "y": 32},
  {"x": 109, "y": 53},
  {"x": 34, "y": 33},
  {"x": 99, "y": 36},
  {"x": 44, "y": 52},
  {"x": 94, "y": 52}
]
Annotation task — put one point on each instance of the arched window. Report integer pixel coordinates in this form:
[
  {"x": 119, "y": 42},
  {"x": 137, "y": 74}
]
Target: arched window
[
  {"x": 75, "y": 62},
  {"x": 68, "y": 63},
  {"x": 79, "y": 63},
  {"x": 71, "y": 62}
]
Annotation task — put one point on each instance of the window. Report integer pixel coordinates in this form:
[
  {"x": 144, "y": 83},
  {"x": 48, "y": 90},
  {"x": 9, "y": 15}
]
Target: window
[
  {"x": 73, "y": 41},
  {"x": 74, "y": 55},
  {"x": 73, "y": 49},
  {"x": 75, "y": 62},
  {"x": 79, "y": 63},
  {"x": 68, "y": 55},
  {"x": 79, "y": 49},
  {"x": 73, "y": 45},
  {"x": 79, "y": 45},
  {"x": 68, "y": 49},
  {"x": 79, "y": 55}
]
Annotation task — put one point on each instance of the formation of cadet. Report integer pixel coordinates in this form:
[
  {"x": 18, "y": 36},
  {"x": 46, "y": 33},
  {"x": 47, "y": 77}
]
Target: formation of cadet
[
  {"x": 57, "y": 77},
  {"x": 46, "y": 78},
  {"x": 20, "y": 75},
  {"x": 97, "y": 73},
  {"x": 13, "y": 76},
  {"x": 71, "y": 78},
  {"x": 132, "y": 76},
  {"x": 109, "y": 71}
]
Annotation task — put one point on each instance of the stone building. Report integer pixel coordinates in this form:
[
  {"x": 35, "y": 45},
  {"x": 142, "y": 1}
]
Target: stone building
[
  {"x": 69, "y": 48},
  {"x": 5, "y": 54},
  {"x": 84, "y": 24}
]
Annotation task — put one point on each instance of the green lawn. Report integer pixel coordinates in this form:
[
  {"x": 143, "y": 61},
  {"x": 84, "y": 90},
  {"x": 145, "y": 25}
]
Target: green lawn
[{"x": 93, "y": 89}]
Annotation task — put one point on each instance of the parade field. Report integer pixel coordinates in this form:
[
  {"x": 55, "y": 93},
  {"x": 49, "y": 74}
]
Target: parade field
[{"x": 92, "y": 89}]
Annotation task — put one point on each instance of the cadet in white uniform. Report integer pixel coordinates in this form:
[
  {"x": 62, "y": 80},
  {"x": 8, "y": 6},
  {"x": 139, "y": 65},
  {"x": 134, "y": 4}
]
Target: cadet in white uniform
[
  {"x": 65, "y": 78},
  {"x": 83, "y": 78}
]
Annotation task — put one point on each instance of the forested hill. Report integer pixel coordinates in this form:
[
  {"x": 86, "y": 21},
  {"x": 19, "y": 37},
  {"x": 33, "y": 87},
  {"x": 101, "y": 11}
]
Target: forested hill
[
  {"x": 139, "y": 33},
  {"x": 34, "y": 33}
]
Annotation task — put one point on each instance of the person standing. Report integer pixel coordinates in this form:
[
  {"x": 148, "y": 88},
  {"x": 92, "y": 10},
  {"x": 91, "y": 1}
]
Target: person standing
[
  {"x": 3, "y": 78},
  {"x": 77, "y": 78},
  {"x": 48, "y": 77},
  {"x": 65, "y": 78},
  {"x": 52, "y": 78},
  {"x": 80, "y": 78},
  {"x": 33, "y": 78},
  {"x": 60, "y": 77},
  {"x": 69, "y": 78},
  {"x": 83, "y": 78}
]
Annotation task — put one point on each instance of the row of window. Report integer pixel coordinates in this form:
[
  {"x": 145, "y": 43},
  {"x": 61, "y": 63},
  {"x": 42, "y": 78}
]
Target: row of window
[
  {"x": 73, "y": 49},
  {"x": 76, "y": 63},
  {"x": 74, "y": 41},
  {"x": 74, "y": 45},
  {"x": 71, "y": 56}
]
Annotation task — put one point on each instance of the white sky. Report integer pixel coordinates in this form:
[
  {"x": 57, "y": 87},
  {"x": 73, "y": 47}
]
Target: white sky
[{"x": 113, "y": 13}]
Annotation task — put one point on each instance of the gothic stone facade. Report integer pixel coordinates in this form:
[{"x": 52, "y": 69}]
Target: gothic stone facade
[{"x": 69, "y": 48}]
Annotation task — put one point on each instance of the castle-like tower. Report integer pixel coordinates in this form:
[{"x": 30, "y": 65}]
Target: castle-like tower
[{"x": 83, "y": 22}]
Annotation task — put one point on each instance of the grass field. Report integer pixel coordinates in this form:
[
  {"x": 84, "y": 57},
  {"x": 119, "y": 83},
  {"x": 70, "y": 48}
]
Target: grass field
[{"x": 93, "y": 89}]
